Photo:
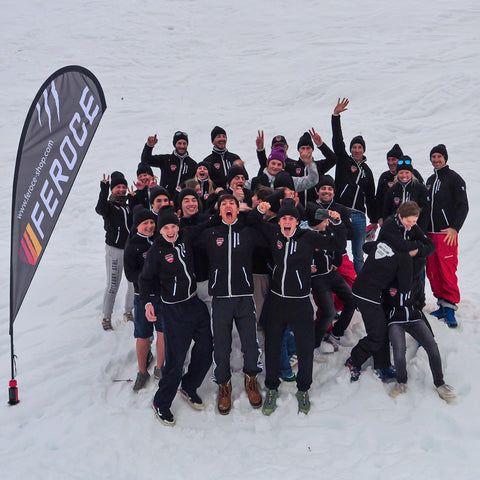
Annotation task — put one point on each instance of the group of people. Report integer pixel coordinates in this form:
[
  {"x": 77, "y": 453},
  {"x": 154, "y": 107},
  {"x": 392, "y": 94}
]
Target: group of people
[{"x": 207, "y": 246}]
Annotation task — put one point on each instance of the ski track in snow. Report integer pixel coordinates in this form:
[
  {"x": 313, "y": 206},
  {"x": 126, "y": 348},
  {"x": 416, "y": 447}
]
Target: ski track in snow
[{"x": 410, "y": 70}]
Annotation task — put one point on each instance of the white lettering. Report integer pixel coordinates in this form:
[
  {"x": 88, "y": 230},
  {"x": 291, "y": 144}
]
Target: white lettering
[
  {"x": 57, "y": 176},
  {"x": 46, "y": 201},
  {"x": 38, "y": 221},
  {"x": 70, "y": 163},
  {"x": 86, "y": 108},
  {"x": 80, "y": 141}
]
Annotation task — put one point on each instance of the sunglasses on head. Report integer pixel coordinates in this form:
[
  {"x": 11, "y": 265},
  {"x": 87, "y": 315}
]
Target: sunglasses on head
[
  {"x": 180, "y": 133},
  {"x": 404, "y": 162}
]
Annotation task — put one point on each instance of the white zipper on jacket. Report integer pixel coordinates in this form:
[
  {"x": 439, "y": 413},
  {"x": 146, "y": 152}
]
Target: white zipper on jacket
[
  {"x": 229, "y": 266},
  {"x": 287, "y": 246},
  {"x": 177, "y": 248},
  {"x": 434, "y": 186}
]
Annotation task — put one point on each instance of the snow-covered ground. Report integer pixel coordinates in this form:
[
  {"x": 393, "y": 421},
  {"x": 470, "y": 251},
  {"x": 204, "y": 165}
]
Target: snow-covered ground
[{"x": 410, "y": 70}]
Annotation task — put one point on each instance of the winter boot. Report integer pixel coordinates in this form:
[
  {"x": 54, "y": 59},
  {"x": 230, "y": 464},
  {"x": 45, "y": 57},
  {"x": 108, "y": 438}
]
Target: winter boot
[
  {"x": 354, "y": 371},
  {"x": 303, "y": 402},
  {"x": 107, "y": 324},
  {"x": 251, "y": 387},
  {"x": 449, "y": 315},
  {"x": 439, "y": 313},
  {"x": 192, "y": 399},
  {"x": 165, "y": 416},
  {"x": 446, "y": 393},
  {"x": 270, "y": 403},
  {"x": 398, "y": 389},
  {"x": 386, "y": 375},
  {"x": 128, "y": 317},
  {"x": 141, "y": 381},
  {"x": 225, "y": 398},
  {"x": 157, "y": 373}
]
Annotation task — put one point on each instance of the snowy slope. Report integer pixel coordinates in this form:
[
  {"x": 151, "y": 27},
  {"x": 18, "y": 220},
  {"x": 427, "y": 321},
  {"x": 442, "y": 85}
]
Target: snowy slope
[{"x": 410, "y": 70}]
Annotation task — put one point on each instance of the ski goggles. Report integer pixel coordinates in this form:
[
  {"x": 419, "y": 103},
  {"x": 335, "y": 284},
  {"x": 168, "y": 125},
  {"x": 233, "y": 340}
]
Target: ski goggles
[{"x": 404, "y": 162}]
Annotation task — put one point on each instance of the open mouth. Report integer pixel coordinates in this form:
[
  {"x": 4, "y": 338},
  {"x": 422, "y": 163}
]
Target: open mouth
[
  {"x": 229, "y": 216},
  {"x": 287, "y": 231}
]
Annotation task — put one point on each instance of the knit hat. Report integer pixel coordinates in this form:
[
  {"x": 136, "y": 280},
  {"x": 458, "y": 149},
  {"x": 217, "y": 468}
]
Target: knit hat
[
  {"x": 274, "y": 200},
  {"x": 441, "y": 149},
  {"x": 179, "y": 136},
  {"x": 117, "y": 178},
  {"x": 140, "y": 214},
  {"x": 157, "y": 191},
  {"x": 288, "y": 208},
  {"x": 166, "y": 216},
  {"x": 283, "y": 179},
  {"x": 277, "y": 153},
  {"x": 358, "y": 139},
  {"x": 395, "y": 151},
  {"x": 305, "y": 141},
  {"x": 217, "y": 131},
  {"x": 203, "y": 164},
  {"x": 144, "y": 168},
  {"x": 404, "y": 163},
  {"x": 235, "y": 170},
  {"x": 326, "y": 180},
  {"x": 279, "y": 139}
]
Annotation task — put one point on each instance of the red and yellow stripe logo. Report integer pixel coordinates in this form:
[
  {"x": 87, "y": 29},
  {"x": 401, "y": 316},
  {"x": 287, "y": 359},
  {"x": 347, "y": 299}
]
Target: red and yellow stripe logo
[{"x": 30, "y": 246}]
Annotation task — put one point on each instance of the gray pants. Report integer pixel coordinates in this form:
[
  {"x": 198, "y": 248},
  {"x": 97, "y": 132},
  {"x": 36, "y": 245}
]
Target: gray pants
[
  {"x": 114, "y": 264},
  {"x": 422, "y": 334}
]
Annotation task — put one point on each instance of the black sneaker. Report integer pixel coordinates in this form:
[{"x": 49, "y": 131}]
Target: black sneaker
[
  {"x": 141, "y": 381},
  {"x": 165, "y": 416},
  {"x": 193, "y": 399}
]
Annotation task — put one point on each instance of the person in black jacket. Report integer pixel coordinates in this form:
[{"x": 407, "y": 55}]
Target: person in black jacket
[
  {"x": 141, "y": 239},
  {"x": 448, "y": 209},
  {"x": 220, "y": 160},
  {"x": 230, "y": 248},
  {"x": 117, "y": 221},
  {"x": 288, "y": 302},
  {"x": 175, "y": 167},
  {"x": 355, "y": 186},
  {"x": 169, "y": 267}
]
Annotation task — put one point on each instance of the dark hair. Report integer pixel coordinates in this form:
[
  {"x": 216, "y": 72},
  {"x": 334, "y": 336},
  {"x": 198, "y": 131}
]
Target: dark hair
[
  {"x": 262, "y": 192},
  {"x": 227, "y": 196},
  {"x": 409, "y": 209}
]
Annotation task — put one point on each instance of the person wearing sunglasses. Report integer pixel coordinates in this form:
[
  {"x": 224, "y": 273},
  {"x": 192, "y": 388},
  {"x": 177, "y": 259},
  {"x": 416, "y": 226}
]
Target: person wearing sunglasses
[
  {"x": 448, "y": 209},
  {"x": 175, "y": 167}
]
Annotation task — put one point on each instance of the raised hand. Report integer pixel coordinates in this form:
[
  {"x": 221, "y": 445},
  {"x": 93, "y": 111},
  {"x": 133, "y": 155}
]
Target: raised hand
[
  {"x": 152, "y": 141},
  {"x": 106, "y": 178},
  {"x": 341, "y": 106},
  {"x": 317, "y": 139},
  {"x": 260, "y": 140}
]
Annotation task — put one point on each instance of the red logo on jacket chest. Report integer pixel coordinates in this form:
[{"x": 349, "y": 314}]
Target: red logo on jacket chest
[
  {"x": 279, "y": 244},
  {"x": 169, "y": 258},
  {"x": 217, "y": 166},
  {"x": 219, "y": 241},
  {"x": 353, "y": 168}
]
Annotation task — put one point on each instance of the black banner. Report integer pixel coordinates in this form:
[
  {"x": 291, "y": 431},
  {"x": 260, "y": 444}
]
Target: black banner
[{"x": 56, "y": 135}]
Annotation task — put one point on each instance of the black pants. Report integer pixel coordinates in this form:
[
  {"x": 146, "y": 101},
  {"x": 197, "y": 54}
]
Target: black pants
[
  {"x": 376, "y": 341},
  {"x": 422, "y": 334},
  {"x": 322, "y": 287},
  {"x": 298, "y": 314},
  {"x": 224, "y": 312},
  {"x": 184, "y": 322}
]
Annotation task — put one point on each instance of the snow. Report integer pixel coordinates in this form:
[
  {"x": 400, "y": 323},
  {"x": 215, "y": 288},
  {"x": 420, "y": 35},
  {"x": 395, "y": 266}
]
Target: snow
[{"x": 410, "y": 70}]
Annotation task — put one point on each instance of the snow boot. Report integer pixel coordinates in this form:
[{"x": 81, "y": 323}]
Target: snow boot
[
  {"x": 251, "y": 387},
  {"x": 165, "y": 416},
  {"x": 354, "y": 371},
  {"x": 107, "y": 324},
  {"x": 225, "y": 398},
  {"x": 386, "y": 375},
  {"x": 128, "y": 317},
  {"x": 398, "y": 389},
  {"x": 450, "y": 319},
  {"x": 141, "y": 381},
  {"x": 270, "y": 403},
  {"x": 439, "y": 313},
  {"x": 303, "y": 402},
  {"x": 445, "y": 392}
]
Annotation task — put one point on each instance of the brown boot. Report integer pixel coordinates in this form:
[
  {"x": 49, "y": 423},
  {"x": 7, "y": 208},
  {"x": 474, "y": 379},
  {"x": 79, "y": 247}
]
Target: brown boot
[
  {"x": 251, "y": 386},
  {"x": 225, "y": 398}
]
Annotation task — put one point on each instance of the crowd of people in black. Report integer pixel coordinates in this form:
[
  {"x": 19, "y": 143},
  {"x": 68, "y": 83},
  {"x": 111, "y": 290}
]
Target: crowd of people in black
[{"x": 206, "y": 247}]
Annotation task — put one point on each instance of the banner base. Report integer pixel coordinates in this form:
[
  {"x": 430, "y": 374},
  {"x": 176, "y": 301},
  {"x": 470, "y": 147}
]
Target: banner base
[{"x": 13, "y": 392}]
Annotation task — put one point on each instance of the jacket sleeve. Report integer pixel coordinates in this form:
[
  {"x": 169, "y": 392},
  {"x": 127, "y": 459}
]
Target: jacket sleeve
[
  {"x": 147, "y": 277},
  {"x": 131, "y": 266},
  {"x": 307, "y": 181},
  {"x": 153, "y": 160},
  {"x": 459, "y": 195},
  {"x": 337, "y": 137},
  {"x": 103, "y": 207},
  {"x": 323, "y": 166},
  {"x": 262, "y": 160}
]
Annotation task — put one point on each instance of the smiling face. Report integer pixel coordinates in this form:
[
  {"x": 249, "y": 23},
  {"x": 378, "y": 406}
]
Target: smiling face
[
  {"x": 288, "y": 224},
  {"x": 274, "y": 166},
  {"x": 357, "y": 152},
  {"x": 202, "y": 172},
  {"x": 438, "y": 161},
  {"x": 120, "y": 190},
  {"x": 146, "y": 228},
  {"x": 159, "y": 202},
  {"x": 220, "y": 141},
  {"x": 237, "y": 181},
  {"x": 326, "y": 194},
  {"x": 145, "y": 178},
  {"x": 392, "y": 164},
  {"x": 170, "y": 232},
  {"x": 404, "y": 176},
  {"x": 189, "y": 205},
  {"x": 229, "y": 210},
  {"x": 181, "y": 147},
  {"x": 408, "y": 222}
]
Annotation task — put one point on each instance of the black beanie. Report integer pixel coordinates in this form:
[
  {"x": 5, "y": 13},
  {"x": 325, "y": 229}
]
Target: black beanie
[
  {"x": 166, "y": 216},
  {"x": 326, "y": 180},
  {"x": 358, "y": 139},
  {"x": 283, "y": 179},
  {"x": 441, "y": 149},
  {"x": 305, "y": 141},
  {"x": 204, "y": 164},
  {"x": 156, "y": 191},
  {"x": 404, "y": 163},
  {"x": 140, "y": 214},
  {"x": 274, "y": 200},
  {"x": 183, "y": 193},
  {"x": 217, "y": 131},
  {"x": 235, "y": 170},
  {"x": 144, "y": 168},
  {"x": 395, "y": 151},
  {"x": 288, "y": 208},
  {"x": 279, "y": 139},
  {"x": 117, "y": 178},
  {"x": 179, "y": 136}
]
